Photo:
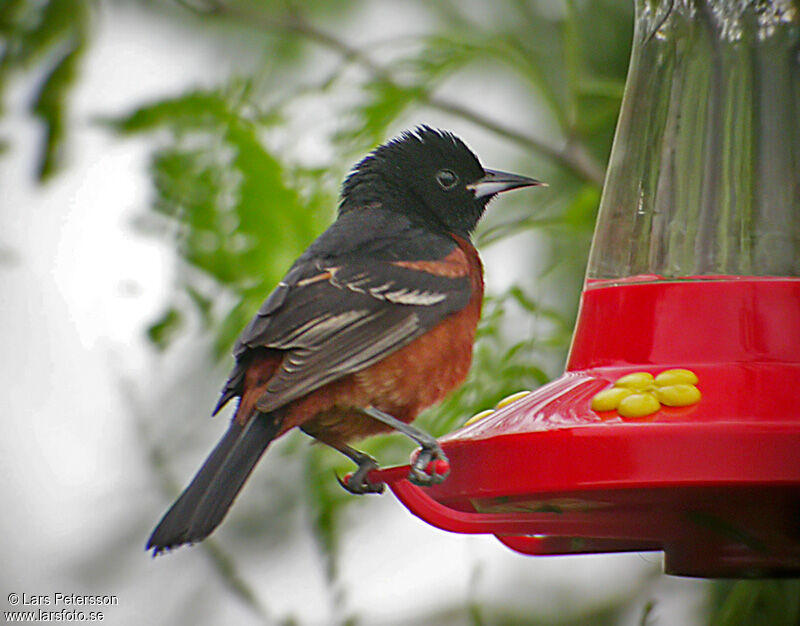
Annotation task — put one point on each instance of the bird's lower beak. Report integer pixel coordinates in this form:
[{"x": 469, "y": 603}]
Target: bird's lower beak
[{"x": 495, "y": 181}]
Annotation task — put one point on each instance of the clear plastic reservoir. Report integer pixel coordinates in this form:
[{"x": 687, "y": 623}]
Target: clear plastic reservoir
[{"x": 704, "y": 177}]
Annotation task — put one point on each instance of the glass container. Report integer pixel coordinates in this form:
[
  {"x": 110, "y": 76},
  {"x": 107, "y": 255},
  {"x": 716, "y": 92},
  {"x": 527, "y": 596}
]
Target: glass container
[{"x": 704, "y": 177}]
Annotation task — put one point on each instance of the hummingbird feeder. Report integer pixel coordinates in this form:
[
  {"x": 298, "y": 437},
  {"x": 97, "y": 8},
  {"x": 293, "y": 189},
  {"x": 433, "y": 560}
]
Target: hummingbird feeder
[{"x": 676, "y": 425}]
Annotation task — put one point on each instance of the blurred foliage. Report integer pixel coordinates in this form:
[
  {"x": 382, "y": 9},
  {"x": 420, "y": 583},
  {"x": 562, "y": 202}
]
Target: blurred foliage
[
  {"x": 238, "y": 206},
  {"x": 756, "y": 602},
  {"x": 47, "y": 39},
  {"x": 235, "y": 210}
]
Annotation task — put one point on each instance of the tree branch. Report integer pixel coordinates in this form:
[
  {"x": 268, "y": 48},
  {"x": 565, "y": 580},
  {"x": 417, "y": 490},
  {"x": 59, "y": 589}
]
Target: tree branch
[{"x": 573, "y": 156}]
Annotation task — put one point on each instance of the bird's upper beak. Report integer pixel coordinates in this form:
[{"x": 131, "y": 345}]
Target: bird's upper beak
[{"x": 495, "y": 181}]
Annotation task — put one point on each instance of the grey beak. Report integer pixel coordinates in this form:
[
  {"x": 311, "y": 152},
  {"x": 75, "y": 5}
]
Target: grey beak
[{"x": 495, "y": 181}]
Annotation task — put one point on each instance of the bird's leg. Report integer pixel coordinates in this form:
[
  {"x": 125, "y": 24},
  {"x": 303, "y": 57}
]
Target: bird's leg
[
  {"x": 358, "y": 482},
  {"x": 430, "y": 467}
]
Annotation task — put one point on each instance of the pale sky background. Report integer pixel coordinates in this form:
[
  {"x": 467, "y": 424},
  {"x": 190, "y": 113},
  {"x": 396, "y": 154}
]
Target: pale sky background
[{"x": 78, "y": 286}]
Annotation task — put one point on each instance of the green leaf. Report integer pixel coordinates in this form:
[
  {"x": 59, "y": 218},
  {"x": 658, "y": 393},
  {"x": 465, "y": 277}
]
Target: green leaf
[
  {"x": 50, "y": 105},
  {"x": 196, "y": 109},
  {"x": 385, "y": 102},
  {"x": 240, "y": 223},
  {"x": 52, "y": 35},
  {"x": 755, "y": 602},
  {"x": 165, "y": 328}
]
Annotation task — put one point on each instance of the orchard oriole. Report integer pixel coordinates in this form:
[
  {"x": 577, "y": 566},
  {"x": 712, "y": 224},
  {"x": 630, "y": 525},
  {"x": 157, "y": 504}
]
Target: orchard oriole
[{"x": 372, "y": 324}]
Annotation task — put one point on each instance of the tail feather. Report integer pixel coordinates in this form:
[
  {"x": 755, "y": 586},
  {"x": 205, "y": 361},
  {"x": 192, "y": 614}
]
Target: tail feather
[{"x": 203, "y": 504}]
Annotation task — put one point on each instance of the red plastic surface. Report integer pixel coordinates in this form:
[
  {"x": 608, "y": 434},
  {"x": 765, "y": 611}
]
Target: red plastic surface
[
  {"x": 716, "y": 485},
  {"x": 721, "y": 321}
]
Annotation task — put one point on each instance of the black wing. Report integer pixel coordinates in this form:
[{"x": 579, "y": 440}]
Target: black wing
[{"x": 335, "y": 314}]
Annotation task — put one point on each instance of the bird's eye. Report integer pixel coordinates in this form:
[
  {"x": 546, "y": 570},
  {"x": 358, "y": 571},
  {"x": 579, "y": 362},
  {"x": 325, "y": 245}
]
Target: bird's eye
[{"x": 447, "y": 179}]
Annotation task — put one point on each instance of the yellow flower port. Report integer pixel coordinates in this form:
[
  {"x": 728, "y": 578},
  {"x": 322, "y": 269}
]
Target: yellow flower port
[
  {"x": 640, "y": 393},
  {"x": 504, "y": 402}
]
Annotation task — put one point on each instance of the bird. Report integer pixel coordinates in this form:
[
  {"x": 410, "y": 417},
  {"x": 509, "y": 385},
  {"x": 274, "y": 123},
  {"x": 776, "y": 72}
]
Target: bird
[{"x": 373, "y": 323}]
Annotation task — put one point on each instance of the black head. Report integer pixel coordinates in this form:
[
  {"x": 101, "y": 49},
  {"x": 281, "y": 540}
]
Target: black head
[{"x": 431, "y": 175}]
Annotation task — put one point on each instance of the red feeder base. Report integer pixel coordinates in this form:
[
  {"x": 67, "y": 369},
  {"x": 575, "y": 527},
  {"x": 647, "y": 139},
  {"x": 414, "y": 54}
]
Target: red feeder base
[{"x": 715, "y": 484}]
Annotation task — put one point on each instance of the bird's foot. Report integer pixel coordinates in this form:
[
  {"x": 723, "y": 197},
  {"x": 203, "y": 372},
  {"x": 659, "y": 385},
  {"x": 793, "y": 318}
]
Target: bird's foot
[
  {"x": 429, "y": 467},
  {"x": 358, "y": 482}
]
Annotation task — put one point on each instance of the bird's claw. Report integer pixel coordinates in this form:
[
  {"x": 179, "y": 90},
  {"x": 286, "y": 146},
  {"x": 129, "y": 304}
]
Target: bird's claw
[
  {"x": 430, "y": 467},
  {"x": 358, "y": 482}
]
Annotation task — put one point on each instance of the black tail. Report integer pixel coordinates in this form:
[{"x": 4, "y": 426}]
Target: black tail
[{"x": 204, "y": 503}]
